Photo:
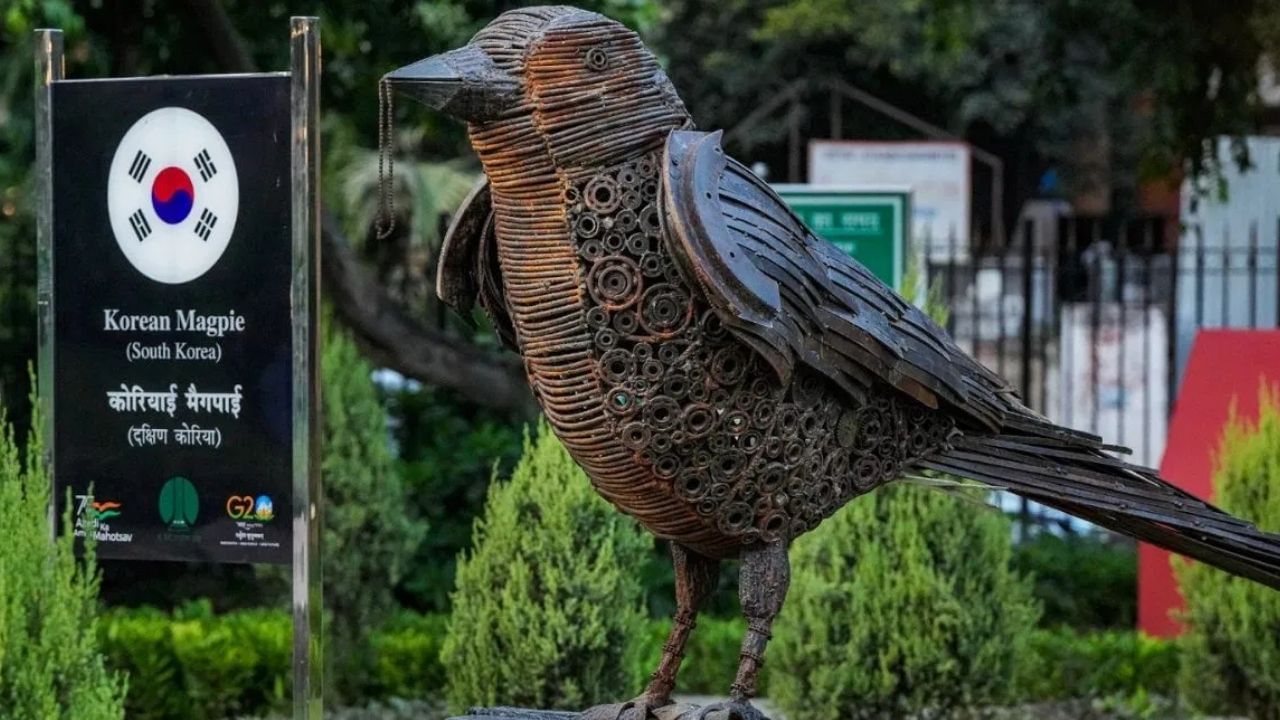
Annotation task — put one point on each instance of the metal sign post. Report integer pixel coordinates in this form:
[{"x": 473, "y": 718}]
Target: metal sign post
[
  {"x": 49, "y": 68},
  {"x": 308, "y": 664},
  {"x": 178, "y": 238}
]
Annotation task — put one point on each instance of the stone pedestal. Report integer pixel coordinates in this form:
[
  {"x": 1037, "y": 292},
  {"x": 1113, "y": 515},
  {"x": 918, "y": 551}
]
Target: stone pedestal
[
  {"x": 514, "y": 714},
  {"x": 670, "y": 712}
]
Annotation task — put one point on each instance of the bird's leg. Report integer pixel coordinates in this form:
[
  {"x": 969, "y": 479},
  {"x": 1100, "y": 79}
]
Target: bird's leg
[
  {"x": 765, "y": 577},
  {"x": 696, "y": 578}
]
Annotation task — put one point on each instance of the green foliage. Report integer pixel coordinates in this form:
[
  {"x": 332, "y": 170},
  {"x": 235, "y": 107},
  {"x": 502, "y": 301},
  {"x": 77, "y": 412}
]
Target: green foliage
[
  {"x": 1063, "y": 664},
  {"x": 1083, "y": 581},
  {"x": 658, "y": 578},
  {"x": 369, "y": 534},
  {"x": 198, "y": 665},
  {"x": 710, "y": 659},
  {"x": 195, "y": 665},
  {"x": 957, "y": 51},
  {"x": 546, "y": 611},
  {"x": 50, "y": 664},
  {"x": 1118, "y": 667},
  {"x": 407, "y": 656},
  {"x": 425, "y": 191},
  {"x": 1056, "y": 80},
  {"x": 1231, "y": 662},
  {"x": 392, "y": 709},
  {"x": 18, "y": 19},
  {"x": 903, "y": 601},
  {"x": 446, "y": 453}
]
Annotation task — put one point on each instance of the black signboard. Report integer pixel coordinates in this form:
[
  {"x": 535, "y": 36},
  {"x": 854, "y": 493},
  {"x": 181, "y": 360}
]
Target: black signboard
[{"x": 172, "y": 398}]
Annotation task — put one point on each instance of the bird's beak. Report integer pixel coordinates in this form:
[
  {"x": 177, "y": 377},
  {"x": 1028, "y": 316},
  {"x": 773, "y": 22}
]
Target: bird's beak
[{"x": 464, "y": 83}]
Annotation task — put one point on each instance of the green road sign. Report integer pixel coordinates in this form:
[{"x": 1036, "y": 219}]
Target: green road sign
[{"x": 868, "y": 223}]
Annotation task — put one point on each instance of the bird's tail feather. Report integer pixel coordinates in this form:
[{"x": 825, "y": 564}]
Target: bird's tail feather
[{"x": 1074, "y": 473}]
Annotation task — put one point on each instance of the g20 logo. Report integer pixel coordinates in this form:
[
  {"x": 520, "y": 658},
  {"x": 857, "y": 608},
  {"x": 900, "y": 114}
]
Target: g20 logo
[{"x": 250, "y": 508}]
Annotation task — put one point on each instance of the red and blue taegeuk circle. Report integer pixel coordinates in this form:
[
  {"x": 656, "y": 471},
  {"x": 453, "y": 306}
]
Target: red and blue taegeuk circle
[{"x": 172, "y": 195}]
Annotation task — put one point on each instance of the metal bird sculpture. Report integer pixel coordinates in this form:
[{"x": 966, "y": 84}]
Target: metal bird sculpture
[{"x": 722, "y": 374}]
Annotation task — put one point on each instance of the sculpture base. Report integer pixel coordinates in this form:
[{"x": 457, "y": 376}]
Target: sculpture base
[
  {"x": 502, "y": 713},
  {"x": 671, "y": 712}
]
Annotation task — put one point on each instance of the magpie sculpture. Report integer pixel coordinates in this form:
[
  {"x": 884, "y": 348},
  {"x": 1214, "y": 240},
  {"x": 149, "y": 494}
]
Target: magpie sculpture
[{"x": 722, "y": 374}]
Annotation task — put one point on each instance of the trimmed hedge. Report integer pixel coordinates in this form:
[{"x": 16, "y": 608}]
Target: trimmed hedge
[
  {"x": 201, "y": 665},
  {"x": 1062, "y": 664},
  {"x": 407, "y": 656},
  {"x": 193, "y": 664},
  {"x": 1089, "y": 582},
  {"x": 196, "y": 665}
]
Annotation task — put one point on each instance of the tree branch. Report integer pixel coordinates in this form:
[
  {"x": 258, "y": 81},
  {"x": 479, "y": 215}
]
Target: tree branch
[
  {"x": 394, "y": 339},
  {"x": 389, "y": 335},
  {"x": 228, "y": 47}
]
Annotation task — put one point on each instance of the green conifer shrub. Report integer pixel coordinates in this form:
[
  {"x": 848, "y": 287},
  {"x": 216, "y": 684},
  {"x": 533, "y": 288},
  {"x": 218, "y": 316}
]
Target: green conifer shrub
[
  {"x": 369, "y": 534},
  {"x": 902, "y": 602},
  {"x": 51, "y": 667},
  {"x": 547, "y": 610},
  {"x": 1231, "y": 650}
]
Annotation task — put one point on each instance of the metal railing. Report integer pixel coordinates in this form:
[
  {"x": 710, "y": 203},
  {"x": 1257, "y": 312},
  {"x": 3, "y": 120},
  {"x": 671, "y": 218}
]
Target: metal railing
[{"x": 1092, "y": 319}]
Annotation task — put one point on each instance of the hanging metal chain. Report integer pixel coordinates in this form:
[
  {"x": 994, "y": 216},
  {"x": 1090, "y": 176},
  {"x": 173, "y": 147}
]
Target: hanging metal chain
[{"x": 385, "y": 223}]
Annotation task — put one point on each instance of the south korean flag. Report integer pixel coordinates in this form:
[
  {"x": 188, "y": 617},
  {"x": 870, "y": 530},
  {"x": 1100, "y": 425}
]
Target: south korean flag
[{"x": 172, "y": 195}]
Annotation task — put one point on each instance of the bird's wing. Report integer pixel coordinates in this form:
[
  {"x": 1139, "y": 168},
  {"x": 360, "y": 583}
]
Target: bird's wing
[
  {"x": 797, "y": 299},
  {"x": 468, "y": 269}
]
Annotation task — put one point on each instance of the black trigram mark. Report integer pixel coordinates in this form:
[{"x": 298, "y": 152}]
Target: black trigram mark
[
  {"x": 138, "y": 169},
  {"x": 205, "y": 165},
  {"x": 206, "y": 223},
  {"x": 141, "y": 228}
]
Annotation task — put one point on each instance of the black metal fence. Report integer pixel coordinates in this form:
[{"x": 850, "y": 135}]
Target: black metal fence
[{"x": 1092, "y": 319}]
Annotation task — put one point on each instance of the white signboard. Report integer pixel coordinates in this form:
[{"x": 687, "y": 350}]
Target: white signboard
[
  {"x": 936, "y": 172},
  {"x": 1112, "y": 376}
]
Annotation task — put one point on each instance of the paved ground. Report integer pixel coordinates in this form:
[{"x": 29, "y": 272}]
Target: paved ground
[
  {"x": 763, "y": 703},
  {"x": 1068, "y": 710}
]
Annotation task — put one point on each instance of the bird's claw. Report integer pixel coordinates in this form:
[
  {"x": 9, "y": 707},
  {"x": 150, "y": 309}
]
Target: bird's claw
[
  {"x": 638, "y": 709},
  {"x": 732, "y": 710}
]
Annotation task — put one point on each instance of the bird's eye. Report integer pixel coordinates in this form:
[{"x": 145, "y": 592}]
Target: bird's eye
[{"x": 597, "y": 59}]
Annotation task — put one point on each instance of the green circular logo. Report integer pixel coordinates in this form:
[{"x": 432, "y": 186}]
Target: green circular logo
[{"x": 179, "y": 504}]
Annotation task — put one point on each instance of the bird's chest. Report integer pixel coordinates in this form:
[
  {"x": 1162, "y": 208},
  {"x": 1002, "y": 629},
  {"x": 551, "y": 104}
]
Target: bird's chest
[
  {"x": 655, "y": 345},
  {"x": 673, "y": 418},
  {"x": 588, "y": 273},
  {"x": 712, "y": 429}
]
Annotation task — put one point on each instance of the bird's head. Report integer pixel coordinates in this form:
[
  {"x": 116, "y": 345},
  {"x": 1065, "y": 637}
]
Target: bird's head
[{"x": 585, "y": 83}]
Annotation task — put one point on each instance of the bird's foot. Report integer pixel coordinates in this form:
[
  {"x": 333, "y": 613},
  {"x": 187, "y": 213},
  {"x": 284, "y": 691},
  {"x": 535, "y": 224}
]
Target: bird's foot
[
  {"x": 640, "y": 708},
  {"x": 731, "y": 710}
]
